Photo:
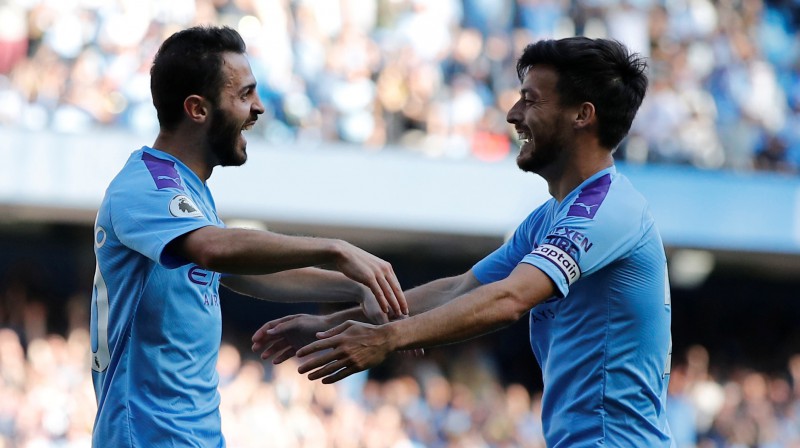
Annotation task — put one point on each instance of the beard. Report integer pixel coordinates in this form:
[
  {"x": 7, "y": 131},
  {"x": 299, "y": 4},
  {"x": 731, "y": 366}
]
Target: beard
[
  {"x": 223, "y": 138},
  {"x": 543, "y": 150},
  {"x": 534, "y": 158}
]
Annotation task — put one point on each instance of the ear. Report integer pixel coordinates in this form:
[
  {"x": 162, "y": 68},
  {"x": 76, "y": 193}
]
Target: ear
[
  {"x": 196, "y": 108},
  {"x": 585, "y": 116}
]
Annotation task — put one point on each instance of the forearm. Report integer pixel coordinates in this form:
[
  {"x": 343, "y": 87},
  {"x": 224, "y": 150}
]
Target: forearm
[
  {"x": 243, "y": 251},
  {"x": 483, "y": 310},
  {"x": 421, "y": 298},
  {"x": 438, "y": 292},
  {"x": 298, "y": 285}
]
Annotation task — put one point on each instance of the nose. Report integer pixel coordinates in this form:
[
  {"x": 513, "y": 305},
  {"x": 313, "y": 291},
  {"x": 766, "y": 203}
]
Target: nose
[
  {"x": 258, "y": 106},
  {"x": 514, "y": 115}
]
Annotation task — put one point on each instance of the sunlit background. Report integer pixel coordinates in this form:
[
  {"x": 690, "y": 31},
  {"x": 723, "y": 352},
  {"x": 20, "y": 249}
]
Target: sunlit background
[{"x": 385, "y": 126}]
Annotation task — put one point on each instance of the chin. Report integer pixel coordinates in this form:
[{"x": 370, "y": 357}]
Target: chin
[
  {"x": 530, "y": 164},
  {"x": 526, "y": 162},
  {"x": 239, "y": 160}
]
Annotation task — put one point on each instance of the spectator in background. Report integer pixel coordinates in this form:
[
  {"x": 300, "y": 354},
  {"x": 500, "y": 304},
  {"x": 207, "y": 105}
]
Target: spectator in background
[
  {"x": 364, "y": 71},
  {"x": 48, "y": 401}
]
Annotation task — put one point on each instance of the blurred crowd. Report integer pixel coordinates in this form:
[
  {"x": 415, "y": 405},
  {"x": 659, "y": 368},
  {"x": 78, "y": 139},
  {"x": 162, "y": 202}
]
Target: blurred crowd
[
  {"x": 48, "y": 402},
  {"x": 451, "y": 398},
  {"x": 435, "y": 77}
]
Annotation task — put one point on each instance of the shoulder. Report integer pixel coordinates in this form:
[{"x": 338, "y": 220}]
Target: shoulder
[
  {"x": 627, "y": 203},
  {"x": 610, "y": 191},
  {"x": 611, "y": 201},
  {"x": 146, "y": 172}
]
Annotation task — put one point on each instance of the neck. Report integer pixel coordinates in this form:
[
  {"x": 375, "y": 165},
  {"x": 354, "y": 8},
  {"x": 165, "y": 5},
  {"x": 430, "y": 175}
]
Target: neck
[
  {"x": 184, "y": 146},
  {"x": 562, "y": 179}
]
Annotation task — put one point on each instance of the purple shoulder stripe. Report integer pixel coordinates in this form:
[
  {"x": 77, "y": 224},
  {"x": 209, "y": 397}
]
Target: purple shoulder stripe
[
  {"x": 590, "y": 198},
  {"x": 163, "y": 171}
]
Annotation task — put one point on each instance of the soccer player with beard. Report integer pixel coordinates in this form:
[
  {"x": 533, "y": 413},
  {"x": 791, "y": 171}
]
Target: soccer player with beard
[
  {"x": 162, "y": 253},
  {"x": 588, "y": 266}
]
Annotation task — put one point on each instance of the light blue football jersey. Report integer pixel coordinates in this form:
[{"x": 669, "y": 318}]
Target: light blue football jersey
[
  {"x": 603, "y": 342},
  {"x": 155, "y": 322}
]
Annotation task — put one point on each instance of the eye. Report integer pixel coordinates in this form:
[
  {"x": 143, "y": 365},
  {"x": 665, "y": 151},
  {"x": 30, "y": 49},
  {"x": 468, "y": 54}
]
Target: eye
[{"x": 245, "y": 94}]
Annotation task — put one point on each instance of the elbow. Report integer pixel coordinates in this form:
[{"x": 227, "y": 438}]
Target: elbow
[
  {"x": 212, "y": 256},
  {"x": 206, "y": 258},
  {"x": 208, "y": 253},
  {"x": 512, "y": 307}
]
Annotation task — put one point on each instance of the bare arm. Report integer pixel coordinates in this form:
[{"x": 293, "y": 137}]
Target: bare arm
[
  {"x": 282, "y": 337},
  {"x": 299, "y": 285},
  {"x": 438, "y": 292},
  {"x": 244, "y": 251},
  {"x": 483, "y": 310},
  {"x": 420, "y": 299},
  {"x": 357, "y": 346}
]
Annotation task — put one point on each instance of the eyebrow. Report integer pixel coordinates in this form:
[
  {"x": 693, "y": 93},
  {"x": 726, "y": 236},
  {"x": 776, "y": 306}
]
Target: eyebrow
[{"x": 248, "y": 87}]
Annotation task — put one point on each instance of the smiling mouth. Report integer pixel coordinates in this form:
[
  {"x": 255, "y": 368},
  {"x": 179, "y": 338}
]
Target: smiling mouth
[
  {"x": 523, "y": 136},
  {"x": 249, "y": 125}
]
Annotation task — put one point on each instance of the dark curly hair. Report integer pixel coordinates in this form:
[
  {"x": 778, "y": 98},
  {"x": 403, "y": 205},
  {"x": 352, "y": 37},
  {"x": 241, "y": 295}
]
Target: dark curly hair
[
  {"x": 600, "y": 71},
  {"x": 190, "y": 63}
]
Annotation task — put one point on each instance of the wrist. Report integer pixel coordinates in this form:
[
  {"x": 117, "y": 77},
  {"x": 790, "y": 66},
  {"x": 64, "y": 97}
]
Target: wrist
[
  {"x": 393, "y": 335},
  {"x": 335, "y": 249},
  {"x": 327, "y": 321}
]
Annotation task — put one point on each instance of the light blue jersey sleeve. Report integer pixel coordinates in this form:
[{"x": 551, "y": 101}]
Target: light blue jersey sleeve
[
  {"x": 156, "y": 216},
  {"x": 499, "y": 264},
  {"x": 576, "y": 247},
  {"x": 571, "y": 239},
  {"x": 588, "y": 232}
]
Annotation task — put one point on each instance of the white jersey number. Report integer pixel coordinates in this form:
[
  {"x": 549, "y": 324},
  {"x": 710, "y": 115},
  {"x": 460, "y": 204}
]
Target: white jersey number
[
  {"x": 100, "y": 357},
  {"x": 668, "y": 304}
]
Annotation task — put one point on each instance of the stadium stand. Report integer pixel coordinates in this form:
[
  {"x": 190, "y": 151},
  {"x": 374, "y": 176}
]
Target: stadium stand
[{"x": 426, "y": 81}]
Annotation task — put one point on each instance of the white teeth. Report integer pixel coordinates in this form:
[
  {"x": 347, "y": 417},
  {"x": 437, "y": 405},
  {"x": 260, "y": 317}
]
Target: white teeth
[{"x": 523, "y": 138}]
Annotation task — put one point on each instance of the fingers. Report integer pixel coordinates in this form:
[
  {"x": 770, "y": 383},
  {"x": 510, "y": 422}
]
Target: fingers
[
  {"x": 395, "y": 299},
  {"x": 397, "y": 293},
  {"x": 275, "y": 348},
  {"x": 378, "y": 276},
  {"x": 374, "y": 315},
  {"x": 374, "y": 285},
  {"x": 327, "y": 369},
  {"x": 344, "y": 373},
  {"x": 283, "y": 356},
  {"x": 390, "y": 287},
  {"x": 261, "y": 333},
  {"x": 335, "y": 330},
  {"x": 319, "y": 361}
]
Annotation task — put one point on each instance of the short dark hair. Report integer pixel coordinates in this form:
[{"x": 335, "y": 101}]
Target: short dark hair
[
  {"x": 190, "y": 63},
  {"x": 600, "y": 71}
]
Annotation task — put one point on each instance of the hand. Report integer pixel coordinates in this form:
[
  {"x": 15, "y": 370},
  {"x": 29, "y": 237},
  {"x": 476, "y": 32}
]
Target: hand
[
  {"x": 355, "y": 346},
  {"x": 374, "y": 273},
  {"x": 375, "y": 315},
  {"x": 283, "y": 337},
  {"x": 372, "y": 309}
]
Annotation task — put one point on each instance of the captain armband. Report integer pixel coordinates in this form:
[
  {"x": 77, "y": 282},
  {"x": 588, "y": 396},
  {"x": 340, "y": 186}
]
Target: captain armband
[{"x": 565, "y": 263}]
